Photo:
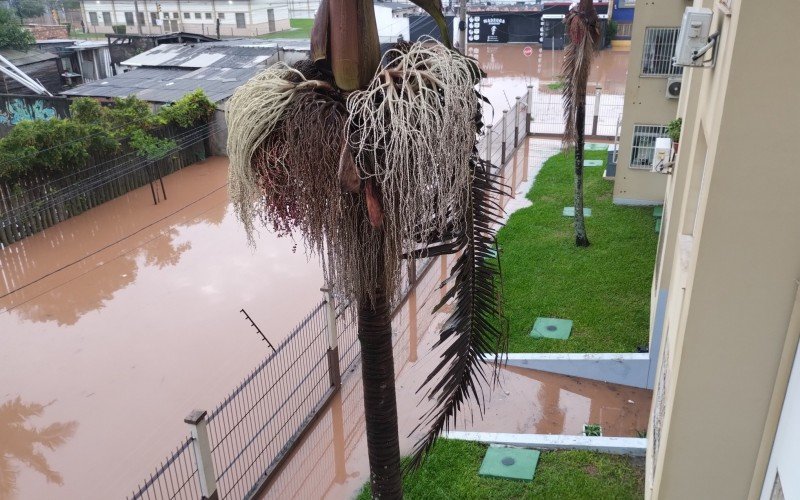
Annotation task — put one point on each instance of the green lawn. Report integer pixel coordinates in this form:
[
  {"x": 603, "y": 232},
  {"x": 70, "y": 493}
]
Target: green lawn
[
  {"x": 301, "y": 28},
  {"x": 451, "y": 472},
  {"x": 604, "y": 289},
  {"x": 78, "y": 34}
]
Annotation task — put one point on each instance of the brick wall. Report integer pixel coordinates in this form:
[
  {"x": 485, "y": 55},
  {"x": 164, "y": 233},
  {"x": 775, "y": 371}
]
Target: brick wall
[{"x": 47, "y": 31}]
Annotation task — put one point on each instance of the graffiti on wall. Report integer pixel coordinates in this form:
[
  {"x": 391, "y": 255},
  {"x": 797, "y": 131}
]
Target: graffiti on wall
[{"x": 20, "y": 109}]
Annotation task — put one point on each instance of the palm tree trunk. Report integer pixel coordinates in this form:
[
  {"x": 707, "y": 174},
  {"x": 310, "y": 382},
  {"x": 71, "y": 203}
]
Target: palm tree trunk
[
  {"x": 581, "y": 239},
  {"x": 380, "y": 403}
]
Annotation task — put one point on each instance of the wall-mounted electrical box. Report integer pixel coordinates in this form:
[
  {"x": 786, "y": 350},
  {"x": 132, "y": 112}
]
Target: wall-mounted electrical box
[
  {"x": 693, "y": 37},
  {"x": 662, "y": 155}
]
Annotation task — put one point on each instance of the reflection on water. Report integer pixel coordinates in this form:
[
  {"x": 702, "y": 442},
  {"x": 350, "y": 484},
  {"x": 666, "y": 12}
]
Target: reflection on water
[
  {"x": 28, "y": 262},
  {"x": 23, "y": 445}
]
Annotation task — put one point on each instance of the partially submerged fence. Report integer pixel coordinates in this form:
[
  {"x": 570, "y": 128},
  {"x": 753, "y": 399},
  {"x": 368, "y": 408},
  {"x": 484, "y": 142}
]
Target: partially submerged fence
[
  {"x": 234, "y": 451},
  {"x": 38, "y": 202}
]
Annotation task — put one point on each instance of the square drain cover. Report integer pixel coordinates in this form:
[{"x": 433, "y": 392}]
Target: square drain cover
[
  {"x": 509, "y": 463},
  {"x": 595, "y": 146},
  {"x": 592, "y": 163},
  {"x": 551, "y": 328},
  {"x": 570, "y": 212},
  {"x": 658, "y": 210}
]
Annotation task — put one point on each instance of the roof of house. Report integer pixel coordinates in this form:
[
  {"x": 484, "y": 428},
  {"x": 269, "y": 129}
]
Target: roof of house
[
  {"x": 168, "y": 84},
  {"x": 20, "y": 58},
  {"x": 241, "y": 53}
]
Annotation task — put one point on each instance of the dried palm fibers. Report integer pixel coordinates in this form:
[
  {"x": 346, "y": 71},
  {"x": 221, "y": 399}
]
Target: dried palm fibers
[{"x": 411, "y": 134}]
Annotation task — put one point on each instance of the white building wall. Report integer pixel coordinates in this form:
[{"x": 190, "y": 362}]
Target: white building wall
[
  {"x": 390, "y": 27},
  {"x": 784, "y": 461},
  {"x": 193, "y": 16}
]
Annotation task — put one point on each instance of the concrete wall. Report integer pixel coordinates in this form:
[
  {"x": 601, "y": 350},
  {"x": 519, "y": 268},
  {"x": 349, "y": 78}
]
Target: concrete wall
[
  {"x": 732, "y": 315},
  {"x": 645, "y": 104},
  {"x": 202, "y": 15}
]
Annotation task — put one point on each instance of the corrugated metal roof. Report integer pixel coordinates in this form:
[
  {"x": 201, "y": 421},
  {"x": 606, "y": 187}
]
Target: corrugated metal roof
[
  {"x": 168, "y": 84},
  {"x": 229, "y": 54},
  {"x": 19, "y": 58}
]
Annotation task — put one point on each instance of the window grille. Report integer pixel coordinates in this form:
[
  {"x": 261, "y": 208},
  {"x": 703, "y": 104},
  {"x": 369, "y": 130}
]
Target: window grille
[
  {"x": 208, "y": 15},
  {"x": 644, "y": 142},
  {"x": 187, "y": 15},
  {"x": 93, "y": 18},
  {"x": 659, "y": 47},
  {"x": 197, "y": 15}
]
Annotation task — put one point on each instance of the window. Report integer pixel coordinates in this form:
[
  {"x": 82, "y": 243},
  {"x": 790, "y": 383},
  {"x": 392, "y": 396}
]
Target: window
[
  {"x": 208, "y": 15},
  {"x": 659, "y": 47},
  {"x": 186, "y": 15},
  {"x": 197, "y": 15},
  {"x": 644, "y": 142},
  {"x": 221, "y": 15},
  {"x": 154, "y": 18},
  {"x": 107, "y": 18},
  {"x": 166, "y": 15},
  {"x": 129, "y": 18},
  {"x": 175, "y": 15},
  {"x": 93, "y": 18},
  {"x": 240, "y": 20},
  {"x": 140, "y": 18}
]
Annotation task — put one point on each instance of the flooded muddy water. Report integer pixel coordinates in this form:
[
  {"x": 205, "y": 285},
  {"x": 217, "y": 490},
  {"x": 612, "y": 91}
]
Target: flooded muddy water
[{"x": 116, "y": 323}]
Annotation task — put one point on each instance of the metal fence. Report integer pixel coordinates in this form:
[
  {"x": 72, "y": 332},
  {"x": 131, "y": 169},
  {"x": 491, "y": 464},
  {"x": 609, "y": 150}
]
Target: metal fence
[
  {"x": 602, "y": 111},
  {"x": 235, "y": 450}
]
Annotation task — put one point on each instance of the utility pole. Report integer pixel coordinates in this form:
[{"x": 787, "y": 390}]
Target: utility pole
[{"x": 462, "y": 26}]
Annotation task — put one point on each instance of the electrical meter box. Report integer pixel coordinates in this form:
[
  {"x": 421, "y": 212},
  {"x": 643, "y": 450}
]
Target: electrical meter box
[
  {"x": 662, "y": 154},
  {"x": 695, "y": 28}
]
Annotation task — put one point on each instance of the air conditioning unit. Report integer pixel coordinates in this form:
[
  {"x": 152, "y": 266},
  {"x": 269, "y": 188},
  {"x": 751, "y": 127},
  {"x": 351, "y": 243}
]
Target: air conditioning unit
[{"x": 673, "y": 87}]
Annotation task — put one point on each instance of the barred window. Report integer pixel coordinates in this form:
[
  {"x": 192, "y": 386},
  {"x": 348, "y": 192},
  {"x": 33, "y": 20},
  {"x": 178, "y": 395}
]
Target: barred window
[
  {"x": 644, "y": 142},
  {"x": 93, "y": 18},
  {"x": 659, "y": 47}
]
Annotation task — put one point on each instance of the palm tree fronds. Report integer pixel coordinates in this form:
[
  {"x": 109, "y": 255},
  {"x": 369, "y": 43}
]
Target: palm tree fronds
[
  {"x": 473, "y": 330},
  {"x": 583, "y": 32}
]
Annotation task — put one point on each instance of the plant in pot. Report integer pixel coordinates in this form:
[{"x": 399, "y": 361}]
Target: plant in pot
[{"x": 674, "y": 133}]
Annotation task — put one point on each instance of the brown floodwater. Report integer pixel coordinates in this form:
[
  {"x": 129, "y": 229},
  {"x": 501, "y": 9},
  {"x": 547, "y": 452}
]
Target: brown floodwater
[{"x": 116, "y": 323}]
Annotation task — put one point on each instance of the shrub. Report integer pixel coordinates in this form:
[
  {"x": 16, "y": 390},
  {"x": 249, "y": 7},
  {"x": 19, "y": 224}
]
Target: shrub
[
  {"x": 12, "y": 34},
  {"x": 150, "y": 147},
  {"x": 86, "y": 110},
  {"x": 190, "y": 110}
]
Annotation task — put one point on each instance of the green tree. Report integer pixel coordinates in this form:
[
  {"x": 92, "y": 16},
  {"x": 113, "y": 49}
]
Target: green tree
[
  {"x": 12, "y": 34},
  {"x": 29, "y": 8},
  {"x": 583, "y": 33},
  {"x": 349, "y": 153}
]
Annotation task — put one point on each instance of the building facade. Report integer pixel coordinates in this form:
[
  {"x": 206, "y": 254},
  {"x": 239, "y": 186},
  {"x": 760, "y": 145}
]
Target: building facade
[
  {"x": 648, "y": 105},
  {"x": 153, "y": 17},
  {"x": 725, "y": 420}
]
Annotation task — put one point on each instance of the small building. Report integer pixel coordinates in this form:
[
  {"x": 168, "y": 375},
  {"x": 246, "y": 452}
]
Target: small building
[
  {"x": 44, "y": 67},
  {"x": 82, "y": 61},
  {"x": 152, "y": 17},
  {"x": 622, "y": 14}
]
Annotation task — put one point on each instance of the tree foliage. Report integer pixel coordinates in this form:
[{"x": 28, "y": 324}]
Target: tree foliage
[
  {"x": 60, "y": 146},
  {"x": 51, "y": 147},
  {"x": 12, "y": 34},
  {"x": 29, "y": 8},
  {"x": 189, "y": 110}
]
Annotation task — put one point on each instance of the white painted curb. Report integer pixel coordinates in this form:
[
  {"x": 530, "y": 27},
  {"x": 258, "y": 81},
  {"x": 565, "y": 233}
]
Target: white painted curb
[{"x": 602, "y": 444}]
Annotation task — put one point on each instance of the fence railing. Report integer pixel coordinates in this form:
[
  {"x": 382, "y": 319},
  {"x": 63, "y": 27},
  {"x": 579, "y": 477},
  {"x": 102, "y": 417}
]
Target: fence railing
[
  {"x": 602, "y": 111},
  {"x": 38, "y": 202},
  {"x": 235, "y": 450}
]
